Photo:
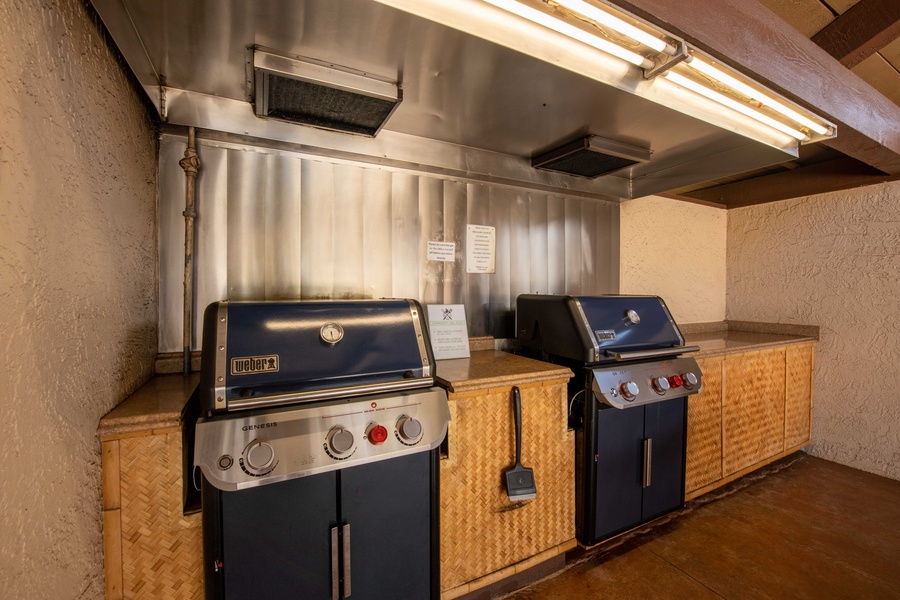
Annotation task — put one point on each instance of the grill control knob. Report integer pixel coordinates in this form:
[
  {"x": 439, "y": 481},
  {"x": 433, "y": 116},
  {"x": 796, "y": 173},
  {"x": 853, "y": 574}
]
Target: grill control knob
[
  {"x": 340, "y": 441},
  {"x": 689, "y": 380},
  {"x": 660, "y": 384},
  {"x": 259, "y": 457},
  {"x": 629, "y": 390},
  {"x": 376, "y": 434},
  {"x": 410, "y": 429}
]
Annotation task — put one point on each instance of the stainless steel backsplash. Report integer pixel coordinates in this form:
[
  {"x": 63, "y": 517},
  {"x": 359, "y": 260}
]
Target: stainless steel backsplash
[{"x": 275, "y": 224}]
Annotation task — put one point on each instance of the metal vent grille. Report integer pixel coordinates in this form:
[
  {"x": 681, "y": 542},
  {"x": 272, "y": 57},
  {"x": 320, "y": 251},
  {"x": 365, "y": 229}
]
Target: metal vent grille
[
  {"x": 590, "y": 157},
  {"x": 320, "y": 106},
  {"x": 321, "y": 96}
]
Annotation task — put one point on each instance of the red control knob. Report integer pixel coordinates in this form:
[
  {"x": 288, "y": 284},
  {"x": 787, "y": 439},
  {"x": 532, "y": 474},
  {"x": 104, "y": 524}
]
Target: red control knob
[
  {"x": 676, "y": 381},
  {"x": 376, "y": 434}
]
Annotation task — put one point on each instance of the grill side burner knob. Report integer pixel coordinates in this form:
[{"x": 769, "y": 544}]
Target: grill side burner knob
[
  {"x": 410, "y": 429},
  {"x": 376, "y": 434},
  {"x": 340, "y": 441},
  {"x": 689, "y": 380},
  {"x": 259, "y": 456},
  {"x": 629, "y": 390},
  {"x": 660, "y": 384},
  {"x": 676, "y": 381}
]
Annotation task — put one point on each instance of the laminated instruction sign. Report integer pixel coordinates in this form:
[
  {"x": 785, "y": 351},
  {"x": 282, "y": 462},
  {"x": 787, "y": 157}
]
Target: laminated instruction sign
[
  {"x": 481, "y": 245},
  {"x": 448, "y": 331}
]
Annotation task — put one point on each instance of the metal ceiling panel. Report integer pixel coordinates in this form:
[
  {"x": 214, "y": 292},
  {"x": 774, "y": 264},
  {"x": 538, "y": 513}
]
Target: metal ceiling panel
[{"x": 470, "y": 106}]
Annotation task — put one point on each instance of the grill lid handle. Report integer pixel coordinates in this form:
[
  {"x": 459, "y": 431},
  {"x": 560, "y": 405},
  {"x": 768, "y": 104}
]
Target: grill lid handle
[{"x": 640, "y": 354}]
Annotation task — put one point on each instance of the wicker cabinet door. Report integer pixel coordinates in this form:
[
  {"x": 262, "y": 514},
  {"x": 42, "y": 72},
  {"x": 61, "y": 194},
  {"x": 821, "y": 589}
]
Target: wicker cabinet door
[
  {"x": 798, "y": 396},
  {"x": 704, "y": 434},
  {"x": 482, "y": 531},
  {"x": 753, "y": 410}
]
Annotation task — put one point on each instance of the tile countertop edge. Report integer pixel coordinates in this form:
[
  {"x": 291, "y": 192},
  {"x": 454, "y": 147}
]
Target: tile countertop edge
[
  {"x": 493, "y": 368},
  {"x": 154, "y": 406},
  {"x": 740, "y": 336}
]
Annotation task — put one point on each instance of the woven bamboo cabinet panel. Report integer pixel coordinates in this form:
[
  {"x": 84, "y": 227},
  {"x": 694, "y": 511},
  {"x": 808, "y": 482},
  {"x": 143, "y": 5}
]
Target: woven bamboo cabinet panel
[
  {"x": 704, "y": 436},
  {"x": 162, "y": 550},
  {"x": 798, "y": 395},
  {"x": 481, "y": 530},
  {"x": 753, "y": 410}
]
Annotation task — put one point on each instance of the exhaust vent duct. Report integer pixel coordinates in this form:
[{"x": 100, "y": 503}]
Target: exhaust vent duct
[
  {"x": 321, "y": 96},
  {"x": 591, "y": 156}
]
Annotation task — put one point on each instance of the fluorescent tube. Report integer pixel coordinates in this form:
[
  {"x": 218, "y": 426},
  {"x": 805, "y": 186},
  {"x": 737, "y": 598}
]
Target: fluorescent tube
[
  {"x": 719, "y": 75},
  {"x": 571, "y": 31},
  {"x": 604, "y": 18},
  {"x": 732, "y": 104}
]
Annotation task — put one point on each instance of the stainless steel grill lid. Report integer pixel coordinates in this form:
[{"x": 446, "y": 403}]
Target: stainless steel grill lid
[{"x": 261, "y": 354}]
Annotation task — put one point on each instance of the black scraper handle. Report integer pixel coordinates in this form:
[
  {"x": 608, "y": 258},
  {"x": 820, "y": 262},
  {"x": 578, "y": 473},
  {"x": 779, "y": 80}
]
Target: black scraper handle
[{"x": 517, "y": 412}]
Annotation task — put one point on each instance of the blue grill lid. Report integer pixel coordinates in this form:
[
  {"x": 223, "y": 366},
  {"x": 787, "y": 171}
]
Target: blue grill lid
[
  {"x": 583, "y": 328},
  {"x": 280, "y": 347}
]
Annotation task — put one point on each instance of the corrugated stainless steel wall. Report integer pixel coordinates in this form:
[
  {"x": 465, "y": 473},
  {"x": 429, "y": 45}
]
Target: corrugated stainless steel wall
[{"x": 273, "y": 224}]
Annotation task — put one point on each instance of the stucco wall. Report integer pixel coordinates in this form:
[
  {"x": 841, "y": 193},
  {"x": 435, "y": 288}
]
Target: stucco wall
[
  {"x": 77, "y": 286},
  {"x": 832, "y": 260},
  {"x": 675, "y": 250}
]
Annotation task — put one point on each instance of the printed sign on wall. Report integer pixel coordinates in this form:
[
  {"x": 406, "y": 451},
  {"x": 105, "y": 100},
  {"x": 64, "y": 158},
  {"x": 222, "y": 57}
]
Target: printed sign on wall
[{"x": 481, "y": 245}]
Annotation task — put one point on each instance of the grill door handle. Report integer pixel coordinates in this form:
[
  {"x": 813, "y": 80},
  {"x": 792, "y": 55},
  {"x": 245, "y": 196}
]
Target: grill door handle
[
  {"x": 346, "y": 540},
  {"x": 335, "y": 574},
  {"x": 648, "y": 459}
]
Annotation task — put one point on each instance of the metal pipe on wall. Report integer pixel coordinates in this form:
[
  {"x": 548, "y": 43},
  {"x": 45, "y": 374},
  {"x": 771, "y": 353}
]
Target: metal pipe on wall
[{"x": 191, "y": 165}]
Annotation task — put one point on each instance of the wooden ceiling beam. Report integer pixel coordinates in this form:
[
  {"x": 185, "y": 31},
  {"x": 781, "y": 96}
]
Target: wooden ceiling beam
[
  {"x": 867, "y": 27},
  {"x": 827, "y": 176},
  {"x": 750, "y": 38}
]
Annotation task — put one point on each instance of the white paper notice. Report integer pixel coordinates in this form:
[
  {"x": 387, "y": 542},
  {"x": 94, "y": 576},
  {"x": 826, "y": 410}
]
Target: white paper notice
[
  {"x": 448, "y": 331},
  {"x": 481, "y": 244},
  {"x": 442, "y": 251}
]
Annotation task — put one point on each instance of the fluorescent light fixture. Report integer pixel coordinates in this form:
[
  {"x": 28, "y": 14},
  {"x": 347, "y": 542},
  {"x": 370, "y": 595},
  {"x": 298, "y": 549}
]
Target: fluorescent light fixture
[
  {"x": 732, "y": 104},
  {"x": 707, "y": 69},
  {"x": 571, "y": 31},
  {"x": 628, "y": 30}
]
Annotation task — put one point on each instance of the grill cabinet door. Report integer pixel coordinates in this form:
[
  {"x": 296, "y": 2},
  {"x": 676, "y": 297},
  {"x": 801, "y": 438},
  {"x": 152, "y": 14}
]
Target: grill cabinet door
[
  {"x": 389, "y": 509},
  {"x": 276, "y": 539},
  {"x": 619, "y": 452},
  {"x": 664, "y": 424}
]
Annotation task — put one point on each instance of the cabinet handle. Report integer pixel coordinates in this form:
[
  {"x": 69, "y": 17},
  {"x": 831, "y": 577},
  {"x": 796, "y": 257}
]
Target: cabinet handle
[
  {"x": 648, "y": 455},
  {"x": 335, "y": 578},
  {"x": 346, "y": 536}
]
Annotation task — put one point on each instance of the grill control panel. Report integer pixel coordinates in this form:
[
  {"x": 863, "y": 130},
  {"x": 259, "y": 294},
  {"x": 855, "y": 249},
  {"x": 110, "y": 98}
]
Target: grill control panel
[
  {"x": 635, "y": 384},
  {"x": 243, "y": 450}
]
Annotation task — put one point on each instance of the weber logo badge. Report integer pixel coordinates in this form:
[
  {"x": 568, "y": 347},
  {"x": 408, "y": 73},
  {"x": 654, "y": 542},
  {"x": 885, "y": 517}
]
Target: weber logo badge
[
  {"x": 247, "y": 365},
  {"x": 606, "y": 335}
]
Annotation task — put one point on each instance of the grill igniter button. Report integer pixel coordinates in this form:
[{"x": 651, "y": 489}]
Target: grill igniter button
[
  {"x": 676, "y": 381},
  {"x": 629, "y": 390}
]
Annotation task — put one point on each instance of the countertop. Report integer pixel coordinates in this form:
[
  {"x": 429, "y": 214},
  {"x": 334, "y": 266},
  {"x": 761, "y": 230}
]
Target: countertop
[
  {"x": 714, "y": 343},
  {"x": 492, "y": 368},
  {"x": 157, "y": 405},
  {"x": 154, "y": 406}
]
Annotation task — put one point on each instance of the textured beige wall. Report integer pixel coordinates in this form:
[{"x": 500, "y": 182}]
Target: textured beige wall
[
  {"x": 832, "y": 260},
  {"x": 675, "y": 250},
  {"x": 77, "y": 286}
]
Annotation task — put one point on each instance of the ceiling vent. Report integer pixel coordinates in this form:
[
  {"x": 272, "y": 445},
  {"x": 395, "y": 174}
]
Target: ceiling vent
[
  {"x": 321, "y": 96},
  {"x": 591, "y": 156}
]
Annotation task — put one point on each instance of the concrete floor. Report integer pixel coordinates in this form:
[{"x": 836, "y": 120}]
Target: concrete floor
[{"x": 809, "y": 528}]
